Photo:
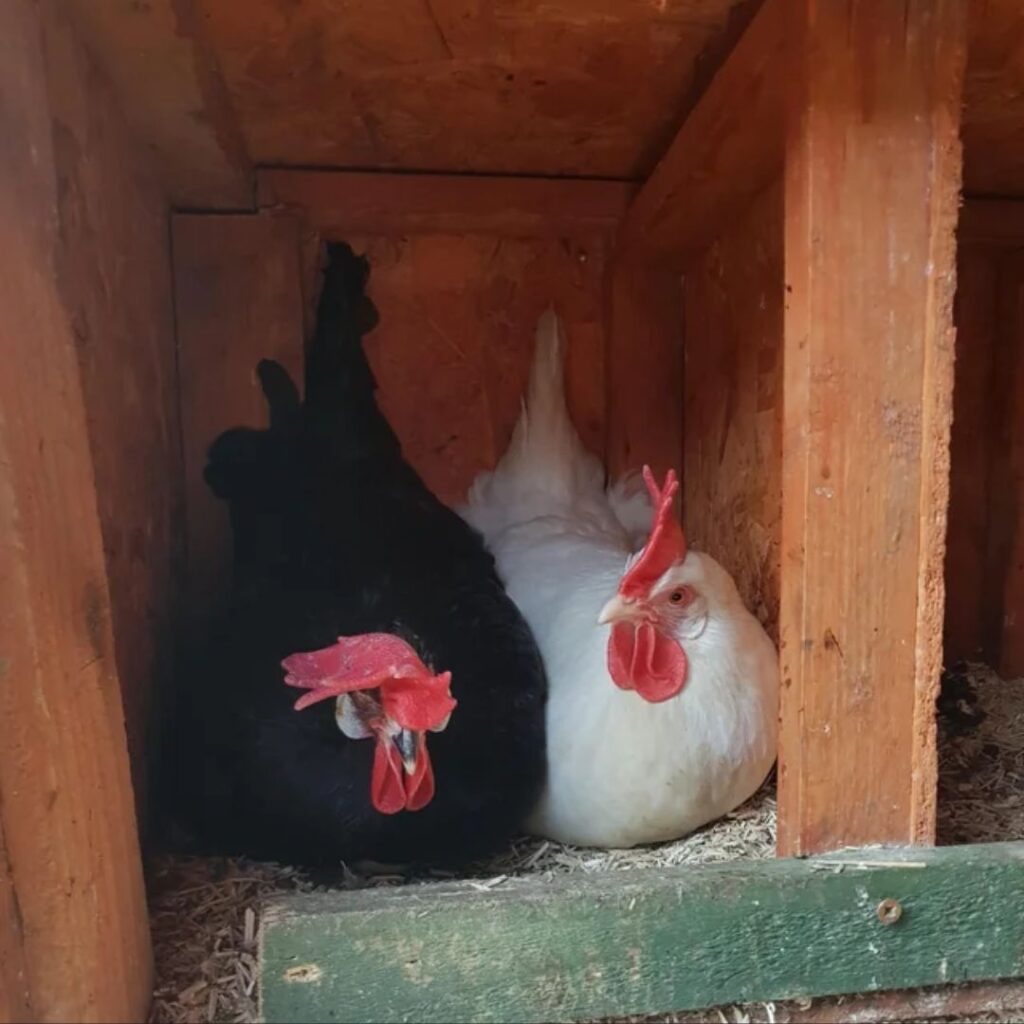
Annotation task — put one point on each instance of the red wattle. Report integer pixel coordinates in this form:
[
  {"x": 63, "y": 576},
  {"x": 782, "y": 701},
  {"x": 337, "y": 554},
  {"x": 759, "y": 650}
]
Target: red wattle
[
  {"x": 391, "y": 790},
  {"x": 387, "y": 785},
  {"x": 643, "y": 659},
  {"x": 419, "y": 788}
]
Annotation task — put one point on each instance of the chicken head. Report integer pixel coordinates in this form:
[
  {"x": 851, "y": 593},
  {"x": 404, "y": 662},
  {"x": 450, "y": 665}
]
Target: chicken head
[{"x": 383, "y": 691}]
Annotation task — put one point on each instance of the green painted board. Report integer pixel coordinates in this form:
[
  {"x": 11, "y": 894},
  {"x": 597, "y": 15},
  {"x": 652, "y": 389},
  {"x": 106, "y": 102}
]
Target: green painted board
[{"x": 573, "y": 947}]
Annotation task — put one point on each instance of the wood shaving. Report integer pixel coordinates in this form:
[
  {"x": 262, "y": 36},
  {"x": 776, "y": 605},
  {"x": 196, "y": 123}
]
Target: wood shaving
[{"x": 205, "y": 913}]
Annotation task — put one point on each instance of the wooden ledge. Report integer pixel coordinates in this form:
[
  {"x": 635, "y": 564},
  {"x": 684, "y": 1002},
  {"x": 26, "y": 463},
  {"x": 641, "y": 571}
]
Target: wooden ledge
[{"x": 638, "y": 942}]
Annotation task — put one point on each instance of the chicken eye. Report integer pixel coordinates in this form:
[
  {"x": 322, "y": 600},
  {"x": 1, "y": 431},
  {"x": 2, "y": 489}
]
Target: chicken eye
[{"x": 676, "y": 596}]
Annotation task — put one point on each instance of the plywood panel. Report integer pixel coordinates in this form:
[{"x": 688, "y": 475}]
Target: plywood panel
[
  {"x": 170, "y": 88},
  {"x": 993, "y": 130},
  {"x": 974, "y": 597},
  {"x": 238, "y": 298},
  {"x": 520, "y": 86},
  {"x": 65, "y": 790},
  {"x": 453, "y": 348},
  {"x": 113, "y": 265},
  {"x": 352, "y": 202},
  {"x": 645, "y": 366},
  {"x": 732, "y": 494},
  {"x": 872, "y": 188},
  {"x": 726, "y": 152}
]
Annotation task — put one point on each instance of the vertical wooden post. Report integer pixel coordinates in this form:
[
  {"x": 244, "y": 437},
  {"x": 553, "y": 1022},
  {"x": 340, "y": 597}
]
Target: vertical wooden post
[
  {"x": 644, "y": 364},
  {"x": 872, "y": 185},
  {"x": 77, "y": 907},
  {"x": 238, "y": 299}
]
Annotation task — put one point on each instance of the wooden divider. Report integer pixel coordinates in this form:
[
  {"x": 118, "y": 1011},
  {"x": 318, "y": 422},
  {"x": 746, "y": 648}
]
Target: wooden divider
[
  {"x": 872, "y": 187},
  {"x": 75, "y": 932}
]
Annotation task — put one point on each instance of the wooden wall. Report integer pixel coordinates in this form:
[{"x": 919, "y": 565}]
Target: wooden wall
[
  {"x": 74, "y": 933},
  {"x": 451, "y": 353},
  {"x": 453, "y": 348},
  {"x": 985, "y": 545},
  {"x": 113, "y": 265},
  {"x": 732, "y": 504}
]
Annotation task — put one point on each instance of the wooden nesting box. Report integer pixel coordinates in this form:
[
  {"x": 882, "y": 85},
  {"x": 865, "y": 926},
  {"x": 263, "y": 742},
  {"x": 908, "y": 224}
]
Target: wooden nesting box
[{"x": 746, "y": 213}]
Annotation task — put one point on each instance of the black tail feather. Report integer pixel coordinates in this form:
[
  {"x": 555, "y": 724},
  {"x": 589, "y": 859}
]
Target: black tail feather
[
  {"x": 340, "y": 402},
  {"x": 283, "y": 403}
]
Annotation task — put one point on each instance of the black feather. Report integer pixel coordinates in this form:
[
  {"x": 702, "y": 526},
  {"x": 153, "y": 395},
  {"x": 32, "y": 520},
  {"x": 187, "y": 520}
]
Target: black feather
[{"x": 335, "y": 534}]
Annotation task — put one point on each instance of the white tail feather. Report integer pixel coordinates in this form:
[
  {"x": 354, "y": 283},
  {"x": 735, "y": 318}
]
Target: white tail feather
[{"x": 546, "y": 468}]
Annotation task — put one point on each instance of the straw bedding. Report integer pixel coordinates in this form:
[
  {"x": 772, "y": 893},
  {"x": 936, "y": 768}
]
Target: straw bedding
[{"x": 205, "y": 912}]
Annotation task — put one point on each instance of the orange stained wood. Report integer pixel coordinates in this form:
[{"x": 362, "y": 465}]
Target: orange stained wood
[
  {"x": 238, "y": 298},
  {"x": 170, "y": 88},
  {"x": 733, "y": 403},
  {"x": 872, "y": 176},
  {"x": 725, "y": 153},
  {"x": 570, "y": 87},
  {"x": 339, "y": 203},
  {"x": 645, "y": 366},
  {"x": 111, "y": 203},
  {"x": 67, "y": 815},
  {"x": 452, "y": 351}
]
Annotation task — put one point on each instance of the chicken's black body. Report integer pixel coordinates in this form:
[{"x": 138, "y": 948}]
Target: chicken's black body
[{"x": 336, "y": 535}]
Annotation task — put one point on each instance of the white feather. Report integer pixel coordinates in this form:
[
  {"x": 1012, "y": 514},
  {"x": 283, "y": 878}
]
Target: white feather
[{"x": 621, "y": 771}]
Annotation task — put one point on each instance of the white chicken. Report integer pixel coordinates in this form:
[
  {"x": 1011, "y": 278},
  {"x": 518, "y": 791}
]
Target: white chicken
[{"x": 663, "y": 688}]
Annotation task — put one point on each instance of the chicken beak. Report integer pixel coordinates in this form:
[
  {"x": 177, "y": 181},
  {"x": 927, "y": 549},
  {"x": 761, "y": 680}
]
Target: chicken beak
[
  {"x": 616, "y": 609},
  {"x": 407, "y": 743}
]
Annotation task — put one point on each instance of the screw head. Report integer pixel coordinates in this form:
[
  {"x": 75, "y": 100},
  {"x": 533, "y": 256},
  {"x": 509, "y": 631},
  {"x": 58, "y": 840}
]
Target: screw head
[{"x": 889, "y": 911}]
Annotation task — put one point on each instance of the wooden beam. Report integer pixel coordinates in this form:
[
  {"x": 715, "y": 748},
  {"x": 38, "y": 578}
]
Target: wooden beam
[
  {"x": 238, "y": 299},
  {"x": 644, "y": 361},
  {"x": 872, "y": 185},
  {"x": 171, "y": 91},
  {"x": 996, "y": 222},
  {"x": 642, "y": 942},
  {"x": 68, "y": 818},
  {"x": 341, "y": 203},
  {"x": 726, "y": 152}
]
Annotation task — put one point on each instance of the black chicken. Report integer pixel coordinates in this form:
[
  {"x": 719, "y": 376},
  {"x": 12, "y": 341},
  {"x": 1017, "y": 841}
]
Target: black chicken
[{"x": 336, "y": 536}]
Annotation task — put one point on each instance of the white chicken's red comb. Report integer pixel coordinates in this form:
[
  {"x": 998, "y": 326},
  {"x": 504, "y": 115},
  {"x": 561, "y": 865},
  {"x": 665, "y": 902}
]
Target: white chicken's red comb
[{"x": 666, "y": 544}]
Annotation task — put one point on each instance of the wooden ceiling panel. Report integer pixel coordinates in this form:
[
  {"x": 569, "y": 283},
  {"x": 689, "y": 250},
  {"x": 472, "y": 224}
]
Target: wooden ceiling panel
[
  {"x": 563, "y": 87},
  {"x": 993, "y": 129}
]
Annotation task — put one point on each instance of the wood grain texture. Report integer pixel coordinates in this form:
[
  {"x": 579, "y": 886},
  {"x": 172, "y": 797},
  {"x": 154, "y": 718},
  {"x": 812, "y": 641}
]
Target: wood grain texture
[
  {"x": 65, "y": 788},
  {"x": 238, "y": 299},
  {"x": 338, "y": 203},
  {"x": 993, "y": 128},
  {"x": 15, "y": 1003},
  {"x": 727, "y": 150},
  {"x": 612, "y": 945},
  {"x": 732, "y": 492},
  {"x": 570, "y": 87},
  {"x": 453, "y": 348},
  {"x": 992, "y": 222},
  {"x": 170, "y": 88},
  {"x": 974, "y": 591},
  {"x": 872, "y": 185},
  {"x": 645, "y": 367},
  {"x": 111, "y": 204}
]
